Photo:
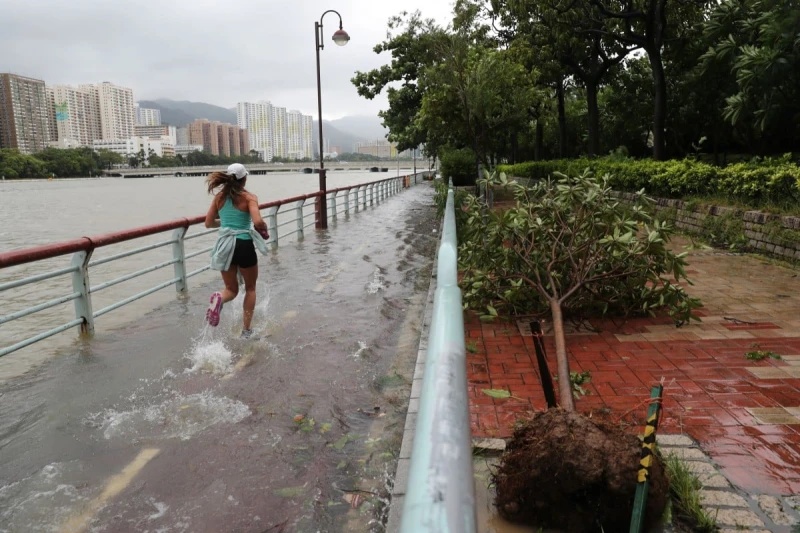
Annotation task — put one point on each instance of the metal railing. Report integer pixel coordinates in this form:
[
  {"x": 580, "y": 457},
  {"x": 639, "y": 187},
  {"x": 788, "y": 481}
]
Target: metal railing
[
  {"x": 300, "y": 209},
  {"x": 440, "y": 492}
]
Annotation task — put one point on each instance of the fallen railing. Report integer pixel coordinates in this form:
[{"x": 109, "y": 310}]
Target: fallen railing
[
  {"x": 300, "y": 209},
  {"x": 440, "y": 493}
]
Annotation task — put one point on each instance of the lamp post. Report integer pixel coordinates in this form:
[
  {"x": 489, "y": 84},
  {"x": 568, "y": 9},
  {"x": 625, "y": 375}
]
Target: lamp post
[{"x": 341, "y": 38}]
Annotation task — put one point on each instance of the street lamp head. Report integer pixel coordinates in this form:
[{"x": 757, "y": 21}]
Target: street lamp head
[{"x": 340, "y": 37}]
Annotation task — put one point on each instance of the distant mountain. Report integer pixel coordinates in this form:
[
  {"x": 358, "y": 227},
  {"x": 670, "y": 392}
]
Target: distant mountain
[
  {"x": 182, "y": 113},
  {"x": 342, "y": 133},
  {"x": 364, "y": 127}
]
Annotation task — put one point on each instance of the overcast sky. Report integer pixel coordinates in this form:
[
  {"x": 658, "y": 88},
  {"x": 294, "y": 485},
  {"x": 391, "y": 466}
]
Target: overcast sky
[{"x": 215, "y": 51}]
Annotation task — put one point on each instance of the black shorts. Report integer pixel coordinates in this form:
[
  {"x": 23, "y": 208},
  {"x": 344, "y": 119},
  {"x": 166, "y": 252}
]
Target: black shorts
[{"x": 244, "y": 254}]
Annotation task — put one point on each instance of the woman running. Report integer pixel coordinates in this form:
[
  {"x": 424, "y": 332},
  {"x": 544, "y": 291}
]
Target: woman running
[{"x": 242, "y": 230}]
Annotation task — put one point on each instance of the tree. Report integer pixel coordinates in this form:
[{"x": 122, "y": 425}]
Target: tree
[
  {"x": 569, "y": 247},
  {"x": 643, "y": 24},
  {"x": 474, "y": 96},
  {"x": 574, "y": 39},
  {"x": 410, "y": 39},
  {"x": 106, "y": 159},
  {"x": 756, "y": 42}
]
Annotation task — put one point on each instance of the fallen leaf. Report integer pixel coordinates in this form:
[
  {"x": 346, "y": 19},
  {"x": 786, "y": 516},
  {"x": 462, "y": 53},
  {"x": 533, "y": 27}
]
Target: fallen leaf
[
  {"x": 496, "y": 393},
  {"x": 290, "y": 492}
]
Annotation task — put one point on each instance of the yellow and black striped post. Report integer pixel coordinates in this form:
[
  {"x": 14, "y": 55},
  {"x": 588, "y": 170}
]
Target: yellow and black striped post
[{"x": 648, "y": 449}]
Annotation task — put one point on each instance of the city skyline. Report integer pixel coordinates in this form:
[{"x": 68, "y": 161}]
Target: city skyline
[{"x": 86, "y": 42}]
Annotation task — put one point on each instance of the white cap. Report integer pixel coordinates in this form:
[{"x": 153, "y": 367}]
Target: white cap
[{"x": 238, "y": 170}]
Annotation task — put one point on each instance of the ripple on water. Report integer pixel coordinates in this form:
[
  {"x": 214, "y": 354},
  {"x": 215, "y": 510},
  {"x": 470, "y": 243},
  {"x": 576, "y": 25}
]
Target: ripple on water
[
  {"x": 176, "y": 417},
  {"x": 43, "y": 501}
]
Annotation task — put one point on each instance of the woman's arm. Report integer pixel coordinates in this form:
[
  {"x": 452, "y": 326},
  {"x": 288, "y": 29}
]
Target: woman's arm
[
  {"x": 255, "y": 213},
  {"x": 211, "y": 217}
]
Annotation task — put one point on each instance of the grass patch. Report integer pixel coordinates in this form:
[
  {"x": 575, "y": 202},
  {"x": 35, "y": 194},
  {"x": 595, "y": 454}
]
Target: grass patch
[
  {"x": 684, "y": 489},
  {"x": 760, "y": 355},
  {"x": 472, "y": 347}
]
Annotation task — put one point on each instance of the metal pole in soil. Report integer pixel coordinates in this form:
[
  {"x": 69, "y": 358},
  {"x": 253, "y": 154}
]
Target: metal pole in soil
[{"x": 648, "y": 448}]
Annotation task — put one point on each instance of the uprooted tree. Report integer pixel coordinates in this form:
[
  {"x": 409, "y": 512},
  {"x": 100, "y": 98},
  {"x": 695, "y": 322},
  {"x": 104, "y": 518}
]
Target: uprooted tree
[{"x": 569, "y": 246}]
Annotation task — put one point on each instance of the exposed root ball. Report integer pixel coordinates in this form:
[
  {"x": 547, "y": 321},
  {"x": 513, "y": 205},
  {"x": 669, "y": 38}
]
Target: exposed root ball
[{"x": 567, "y": 472}]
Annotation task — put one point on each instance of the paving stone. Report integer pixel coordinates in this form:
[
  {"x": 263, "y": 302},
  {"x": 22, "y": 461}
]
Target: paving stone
[
  {"x": 748, "y": 531},
  {"x": 489, "y": 445},
  {"x": 692, "y": 454},
  {"x": 715, "y": 481},
  {"x": 738, "y": 517},
  {"x": 674, "y": 440},
  {"x": 773, "y": 508},
  {"x": 721, "y": 498},
  {"x": 700, "y": 468}
]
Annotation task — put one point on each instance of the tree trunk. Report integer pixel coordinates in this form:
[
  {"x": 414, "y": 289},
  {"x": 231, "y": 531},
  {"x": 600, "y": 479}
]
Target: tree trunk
[
  {"x": 539, "y": 140},
  {"x": 564, "y": 383},
  {"x": 562, "y": 121},
  {"x": 660, "y": 111},
  {"x": 594, "y": 119}
]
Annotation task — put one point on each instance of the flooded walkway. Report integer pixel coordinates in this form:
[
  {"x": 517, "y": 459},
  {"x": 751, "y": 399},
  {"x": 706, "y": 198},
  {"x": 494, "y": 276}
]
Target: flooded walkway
[{"x": 166, "y": 425}]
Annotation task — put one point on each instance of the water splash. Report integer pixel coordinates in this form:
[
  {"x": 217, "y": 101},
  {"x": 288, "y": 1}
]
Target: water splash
[
  {"x": 377, "y": 283},
  {"x": 176, "y": 417},
  {"x": 210, "y": 356}
]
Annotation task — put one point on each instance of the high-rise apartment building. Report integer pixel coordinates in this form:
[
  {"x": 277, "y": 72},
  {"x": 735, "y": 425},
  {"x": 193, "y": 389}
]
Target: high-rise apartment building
[
  {"x": 244, "y": 142},
  {"x": 147, "y": 117},
  {"x": 116, "y": 109},
  {"x": 217, "y": 138},
  {"x": 25, "y": 119},
  {"x": 274, "y": 131},
  {"x": 182, "y": 136},
  {"x": 201, "y": 132},
  {"x": 77, "y": 115},
  {"x": 280, "y": 142},
  {"x": 307, "y": 136},
  {"x": 257, "y": 119}
]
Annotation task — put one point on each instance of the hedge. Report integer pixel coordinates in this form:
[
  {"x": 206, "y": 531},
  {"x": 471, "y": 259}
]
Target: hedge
[{"x": 755, "y": 182}]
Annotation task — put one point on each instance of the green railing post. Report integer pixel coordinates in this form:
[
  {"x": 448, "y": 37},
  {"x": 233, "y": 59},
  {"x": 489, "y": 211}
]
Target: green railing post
[{"x": 648, "y": 449}]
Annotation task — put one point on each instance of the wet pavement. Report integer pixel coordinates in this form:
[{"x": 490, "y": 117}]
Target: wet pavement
[
  {"x": 165, "y": 425},
  {"x": 744, "y": 414}
]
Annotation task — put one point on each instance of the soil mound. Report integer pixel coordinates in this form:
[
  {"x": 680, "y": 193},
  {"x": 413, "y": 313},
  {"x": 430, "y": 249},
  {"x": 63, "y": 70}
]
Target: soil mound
[{"x": 567, "y": 472}]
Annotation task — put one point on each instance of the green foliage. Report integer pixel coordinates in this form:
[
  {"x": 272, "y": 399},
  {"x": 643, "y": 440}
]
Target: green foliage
[
  {"x": 571, "y": 239},
  {"x": 760, "y": 355},
  {"x": 459, "y": 166},
  {"x": 725, "y": 230},
  {"x": 14, "y": 164},
  {"x": 577, "y": 380},
  {"x": 684, "y": 488},
  {"x": 410, "y": 41},
  {"x": 757, "y": 42},
  {"x": 756, "y": 182},
  {"x": 73, "y": 162}
]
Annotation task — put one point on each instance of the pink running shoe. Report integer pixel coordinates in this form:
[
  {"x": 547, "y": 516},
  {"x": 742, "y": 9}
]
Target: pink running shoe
[{"x": 214, "y": 308}]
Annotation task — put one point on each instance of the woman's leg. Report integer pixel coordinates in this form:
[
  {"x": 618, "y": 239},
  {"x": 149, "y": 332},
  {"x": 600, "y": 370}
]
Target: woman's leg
[
  {"x": 231, "y": 284},
  {"x": 250, "y": 276}
]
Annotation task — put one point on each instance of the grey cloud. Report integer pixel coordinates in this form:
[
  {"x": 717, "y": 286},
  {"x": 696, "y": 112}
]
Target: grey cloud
[{"x": 219, "y": 52}]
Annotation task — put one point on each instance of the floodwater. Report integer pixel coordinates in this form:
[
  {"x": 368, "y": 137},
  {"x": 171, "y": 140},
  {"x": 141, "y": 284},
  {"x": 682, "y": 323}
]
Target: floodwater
[
  {"x": 161, "y": 424},
  {"x": 40, "y": 212}
]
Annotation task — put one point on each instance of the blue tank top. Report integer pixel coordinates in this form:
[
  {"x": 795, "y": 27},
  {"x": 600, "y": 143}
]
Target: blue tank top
[{"x": 230, "y": 217}]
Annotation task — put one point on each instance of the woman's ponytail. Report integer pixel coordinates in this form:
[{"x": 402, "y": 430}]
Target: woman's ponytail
[{"x": 230, "y": 185}]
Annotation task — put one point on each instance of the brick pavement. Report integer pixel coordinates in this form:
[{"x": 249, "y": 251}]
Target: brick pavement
[{"x": 745, "y": 414}]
